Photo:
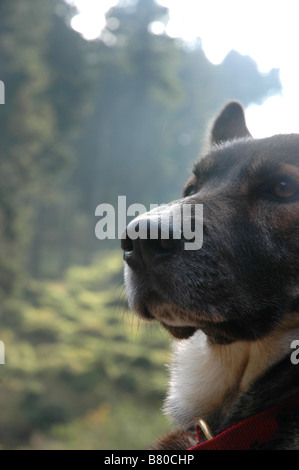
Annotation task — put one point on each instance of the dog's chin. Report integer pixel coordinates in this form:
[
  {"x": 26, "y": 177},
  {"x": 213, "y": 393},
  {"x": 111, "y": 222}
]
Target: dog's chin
[
  {"x": 168, "y": 316},
  {"x": 180, "y": 332}
]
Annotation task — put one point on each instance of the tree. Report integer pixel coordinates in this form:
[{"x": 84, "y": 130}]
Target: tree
[{"x": 35, "y": 128}]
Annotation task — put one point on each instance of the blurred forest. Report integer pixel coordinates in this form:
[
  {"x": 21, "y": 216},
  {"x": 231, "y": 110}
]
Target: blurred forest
[{"x": 84, "y": 122}]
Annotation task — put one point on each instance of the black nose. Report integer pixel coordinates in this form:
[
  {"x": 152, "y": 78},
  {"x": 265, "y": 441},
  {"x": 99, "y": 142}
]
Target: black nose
[{"x": 149, "y": 248}]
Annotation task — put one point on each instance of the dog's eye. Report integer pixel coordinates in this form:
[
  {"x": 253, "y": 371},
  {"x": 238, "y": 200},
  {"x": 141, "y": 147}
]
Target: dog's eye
[
  {"x": 190, "y": 190},
  {"x": 284, "y": 189}
]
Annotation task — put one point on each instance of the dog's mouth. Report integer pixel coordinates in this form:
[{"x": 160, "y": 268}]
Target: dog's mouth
[
  {"x": 170, "y": 317},
  {"x": 180, "y": 323},
  {"x": 180, "y": 332}
]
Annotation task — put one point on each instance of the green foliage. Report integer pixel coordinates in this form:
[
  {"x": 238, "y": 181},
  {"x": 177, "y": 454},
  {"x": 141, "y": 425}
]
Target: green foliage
[{"x": 80, "y": 372}]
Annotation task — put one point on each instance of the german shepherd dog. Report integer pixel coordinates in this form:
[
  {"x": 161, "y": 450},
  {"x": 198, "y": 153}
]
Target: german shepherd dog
[{"x": 232, "y": 305}]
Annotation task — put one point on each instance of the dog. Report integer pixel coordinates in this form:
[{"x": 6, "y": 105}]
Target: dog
[{"x": 231, "y": 305}]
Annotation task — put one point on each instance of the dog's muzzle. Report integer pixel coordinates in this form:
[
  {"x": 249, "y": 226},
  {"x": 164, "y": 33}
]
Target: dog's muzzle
[
  {"x": 162, "y": 233},
  {"x": 153, "y": 236},
  {"x": 152, "y": 244},
  {"x": 142, "y": 252}
]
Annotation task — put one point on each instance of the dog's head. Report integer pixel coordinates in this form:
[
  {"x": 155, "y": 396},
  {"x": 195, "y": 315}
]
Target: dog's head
[{"x": 244, "y": 278}]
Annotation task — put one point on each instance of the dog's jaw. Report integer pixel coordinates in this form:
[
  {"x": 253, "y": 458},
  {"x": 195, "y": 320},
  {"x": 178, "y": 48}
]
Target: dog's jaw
[{"x": 179, "y": 322}]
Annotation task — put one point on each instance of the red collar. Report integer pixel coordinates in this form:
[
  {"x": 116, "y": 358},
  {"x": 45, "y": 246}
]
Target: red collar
[{"x": 253, "y": 433}]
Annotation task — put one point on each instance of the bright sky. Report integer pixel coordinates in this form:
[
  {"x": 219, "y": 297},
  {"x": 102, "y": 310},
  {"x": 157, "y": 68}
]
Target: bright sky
[{"x": 267, "y": 30}]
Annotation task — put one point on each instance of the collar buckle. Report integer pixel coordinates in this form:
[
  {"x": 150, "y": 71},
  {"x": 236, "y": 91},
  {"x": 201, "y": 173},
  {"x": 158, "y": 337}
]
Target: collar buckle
[{"x": 205, "y": 429}]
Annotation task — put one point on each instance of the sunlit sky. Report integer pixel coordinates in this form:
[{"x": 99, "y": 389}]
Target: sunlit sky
[{"x": 267, "y": 30}]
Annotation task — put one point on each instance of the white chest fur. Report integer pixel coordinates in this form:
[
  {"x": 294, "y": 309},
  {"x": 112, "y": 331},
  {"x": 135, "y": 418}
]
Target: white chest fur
[{"x": 205, "y": 377}]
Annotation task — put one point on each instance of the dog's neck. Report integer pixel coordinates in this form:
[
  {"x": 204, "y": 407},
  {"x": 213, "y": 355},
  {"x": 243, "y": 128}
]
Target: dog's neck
[{"x": 207, "y": 379}]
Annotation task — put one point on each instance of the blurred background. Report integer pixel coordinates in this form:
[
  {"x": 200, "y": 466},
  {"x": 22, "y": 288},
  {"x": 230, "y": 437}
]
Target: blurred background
[{"x": 107, "y": 98}]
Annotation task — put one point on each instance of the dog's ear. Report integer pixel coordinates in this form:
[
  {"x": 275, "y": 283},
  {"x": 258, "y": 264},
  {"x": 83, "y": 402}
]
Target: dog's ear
[{"x": 229, "y": 124}]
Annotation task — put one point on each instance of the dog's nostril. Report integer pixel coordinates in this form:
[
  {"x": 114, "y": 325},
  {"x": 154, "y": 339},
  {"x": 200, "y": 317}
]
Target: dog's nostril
[{"x": 148, "y": 246}]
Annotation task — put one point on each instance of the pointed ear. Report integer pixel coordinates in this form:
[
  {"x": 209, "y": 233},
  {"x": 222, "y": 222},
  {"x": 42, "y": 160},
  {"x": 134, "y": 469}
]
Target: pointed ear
[{"x": 230, "y": 124}]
